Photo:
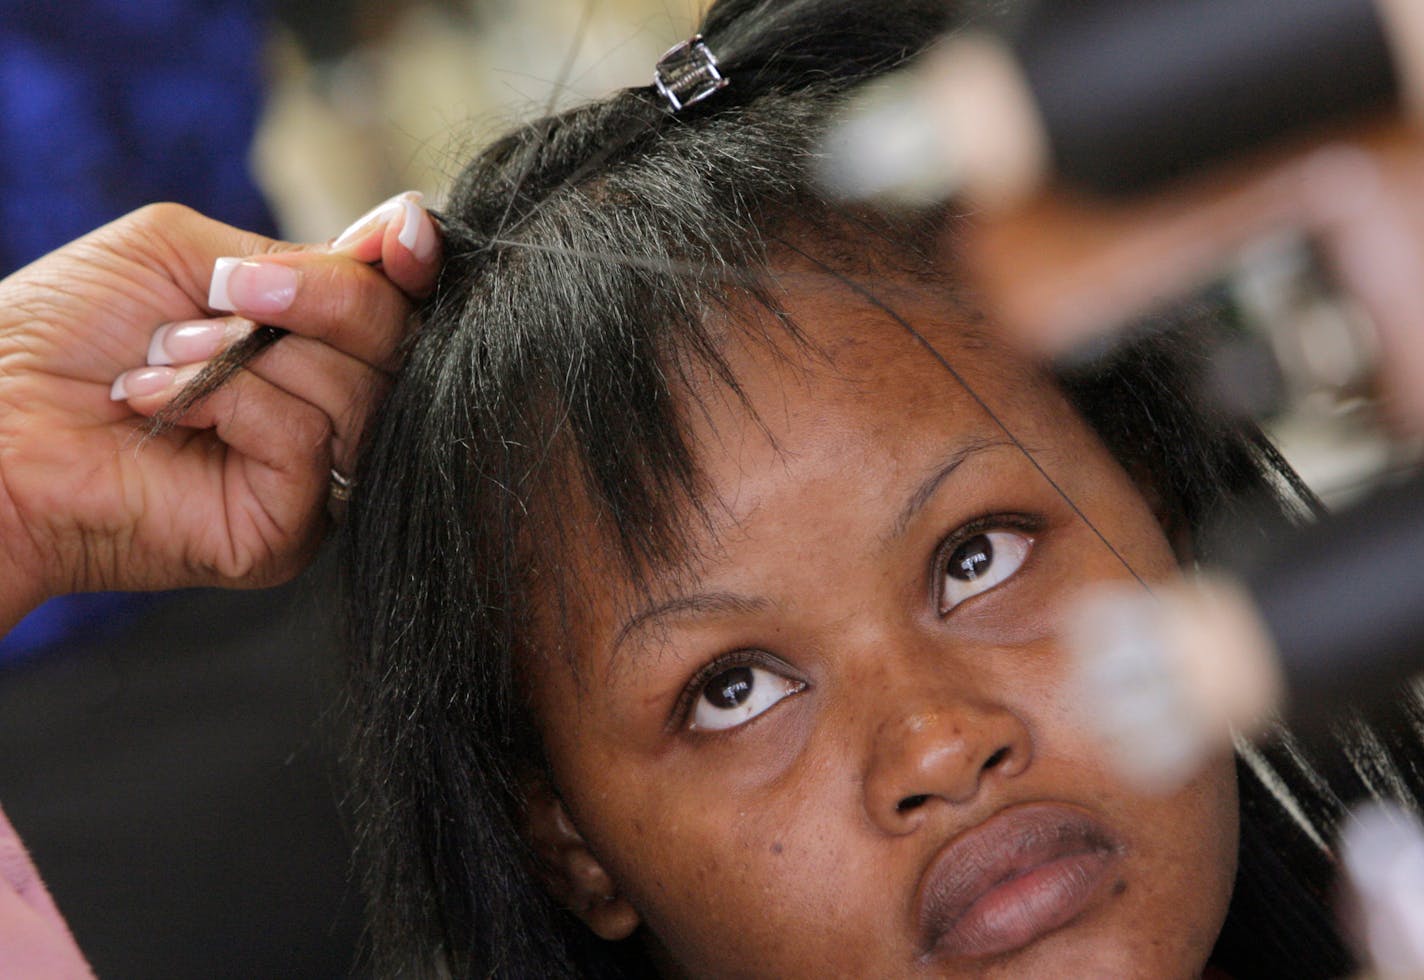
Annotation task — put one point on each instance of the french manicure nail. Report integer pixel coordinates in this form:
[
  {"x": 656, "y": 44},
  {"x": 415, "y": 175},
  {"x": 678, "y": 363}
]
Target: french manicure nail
[
  {"x": 417, "y": 232},
  {"x": 258, "y": 288},
  {"x": 218, "y": 298},
  {"x": 140, "y": 382},
  {"x": 378, "y": 215},
  {"x": 187, "y": 341}
]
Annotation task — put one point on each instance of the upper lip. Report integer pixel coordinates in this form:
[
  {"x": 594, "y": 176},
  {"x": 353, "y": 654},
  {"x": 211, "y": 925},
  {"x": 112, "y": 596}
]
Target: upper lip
[{"x": 1010, "y": 843}]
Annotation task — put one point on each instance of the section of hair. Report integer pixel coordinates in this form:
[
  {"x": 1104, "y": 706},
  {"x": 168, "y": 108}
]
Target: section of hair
[
  {"x": 591, "y": 260},
  {"x": 214, "y": 375}
]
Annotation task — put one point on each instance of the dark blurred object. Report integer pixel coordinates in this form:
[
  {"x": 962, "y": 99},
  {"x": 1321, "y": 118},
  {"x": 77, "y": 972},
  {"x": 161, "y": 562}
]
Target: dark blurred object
[
  {"x": 1342, "y": 602},
  {"x": 177, "y": 788},
  {"x": 1118, "y": 96},
  {"x": 1132, "y": 92}
]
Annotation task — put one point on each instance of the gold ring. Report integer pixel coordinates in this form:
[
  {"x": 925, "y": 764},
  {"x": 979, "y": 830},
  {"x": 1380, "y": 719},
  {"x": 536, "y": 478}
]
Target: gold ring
[{"x": 341, "y": 486}]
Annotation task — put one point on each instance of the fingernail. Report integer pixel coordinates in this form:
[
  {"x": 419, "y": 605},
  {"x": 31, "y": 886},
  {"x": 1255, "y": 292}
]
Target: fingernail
[
  {"x": 417, "y": 230},
  {"x": 189, "y": 340},
  {"x": 372, "y": 219},
  {"x": 140, "y": 382},
  {"x": 258, "y": 288}
]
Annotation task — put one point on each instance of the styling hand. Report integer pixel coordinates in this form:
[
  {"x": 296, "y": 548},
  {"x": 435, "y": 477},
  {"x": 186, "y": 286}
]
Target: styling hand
[{"x": 237, "y": 495}]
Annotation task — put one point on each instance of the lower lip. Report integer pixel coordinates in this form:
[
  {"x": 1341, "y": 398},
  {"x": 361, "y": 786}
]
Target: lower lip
[{"x": 1022, "y": 909}]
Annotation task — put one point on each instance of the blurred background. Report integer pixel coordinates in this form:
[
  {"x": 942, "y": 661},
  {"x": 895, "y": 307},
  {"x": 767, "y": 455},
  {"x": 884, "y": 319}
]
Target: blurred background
[
  {"x": 172, "y": 760},
  {"x": 366, "y": 99}
]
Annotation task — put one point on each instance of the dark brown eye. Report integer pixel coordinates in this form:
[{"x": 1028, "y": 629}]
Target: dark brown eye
[
  {"x": 729, "y": 688},
  {"x": 972, "y": 558},
  {"x": 979, "y": 564}
]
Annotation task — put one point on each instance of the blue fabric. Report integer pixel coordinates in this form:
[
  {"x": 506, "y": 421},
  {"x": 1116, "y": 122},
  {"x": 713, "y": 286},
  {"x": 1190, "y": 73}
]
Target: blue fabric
[
  {"x": 95, "y": 616},
  {"x": 107, "y": 105}
]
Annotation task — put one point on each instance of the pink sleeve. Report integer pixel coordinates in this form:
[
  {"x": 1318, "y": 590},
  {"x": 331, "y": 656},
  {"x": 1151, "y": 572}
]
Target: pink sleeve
[{"x": 34, "y": 940}]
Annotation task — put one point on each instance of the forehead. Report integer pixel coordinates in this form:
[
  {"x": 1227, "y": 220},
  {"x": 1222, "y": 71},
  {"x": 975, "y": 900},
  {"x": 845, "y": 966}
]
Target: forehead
[
  {"x": 896, "y": 380},
  {"x": 852, "y": 409},
  {"x": 852, "y": 341}
]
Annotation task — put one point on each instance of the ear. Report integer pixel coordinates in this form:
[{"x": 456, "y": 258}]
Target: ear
[{"x": 570, "y": 872}]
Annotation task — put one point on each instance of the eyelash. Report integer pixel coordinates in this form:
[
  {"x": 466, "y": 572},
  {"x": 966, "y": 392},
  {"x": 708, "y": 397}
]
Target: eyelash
[{"x": 1026, "y": 524}]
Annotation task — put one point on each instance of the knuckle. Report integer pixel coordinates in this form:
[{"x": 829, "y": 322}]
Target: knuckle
[
  {"x": 161, "y": 216},
  {"x": 311, "y": 429},
  {"x": 340, "y": 292},
  {"x": 356, "y": 298}
]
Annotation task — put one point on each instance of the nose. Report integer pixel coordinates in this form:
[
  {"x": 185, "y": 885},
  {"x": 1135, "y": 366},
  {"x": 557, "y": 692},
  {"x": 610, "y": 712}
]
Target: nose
[{"x": 940, "y": 754}]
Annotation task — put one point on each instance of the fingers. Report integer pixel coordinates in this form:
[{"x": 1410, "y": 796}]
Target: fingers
[
  {"x": 34, "y": 939},
  {"x": 278, "y": 450},
  {"x": 187, "y": 341},
  {"x": 400, "y": 234},
  {"x": 346, "y": 317},
  {"x": 1065, "y": 269},
  {"x": 1369, "y": 219},
  {"x": 31, "y": 945},
  {"x": 182, "y": 245},
  {"x": 342, "y": 388},
  {"x": 325, "y": 295},
  {"x": 411, "y": 250},
  {"x": 1062, "y": 271},
  {"x": 353, "y": 307}
]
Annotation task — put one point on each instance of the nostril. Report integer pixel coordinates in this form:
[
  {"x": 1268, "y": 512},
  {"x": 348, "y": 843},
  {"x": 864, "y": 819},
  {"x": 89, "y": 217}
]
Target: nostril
[
  {"x": 911, "y": 802},
  {"x": 996, "y": 758}
]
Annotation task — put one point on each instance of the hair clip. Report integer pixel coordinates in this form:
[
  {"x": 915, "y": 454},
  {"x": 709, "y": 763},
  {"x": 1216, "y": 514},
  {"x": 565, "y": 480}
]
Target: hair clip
[{"x": 688, "y": 73}]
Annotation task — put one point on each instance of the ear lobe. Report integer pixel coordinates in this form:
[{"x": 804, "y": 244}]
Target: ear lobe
[{"x": 569, "y": 870}]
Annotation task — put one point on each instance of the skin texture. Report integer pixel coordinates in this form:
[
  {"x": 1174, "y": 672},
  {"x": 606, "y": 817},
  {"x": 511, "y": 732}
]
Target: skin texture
[
  {"x": 238, "y": 496},
  {"x": 794, "y": 844}
]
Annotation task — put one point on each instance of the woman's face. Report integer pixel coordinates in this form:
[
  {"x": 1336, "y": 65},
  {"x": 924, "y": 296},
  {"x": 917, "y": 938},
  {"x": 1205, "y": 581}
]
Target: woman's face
[{"x": 841, "y": 742}]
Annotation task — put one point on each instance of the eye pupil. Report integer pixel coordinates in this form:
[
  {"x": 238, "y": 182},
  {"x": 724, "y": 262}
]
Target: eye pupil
[
  {"x": 972, "y": 558},
  {"x": 729, "y": 688}
]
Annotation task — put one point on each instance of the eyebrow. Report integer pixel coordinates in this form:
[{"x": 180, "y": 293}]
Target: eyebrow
[
  {"x": 931, "y": 484},
  {"x": 700, "y": 603}
]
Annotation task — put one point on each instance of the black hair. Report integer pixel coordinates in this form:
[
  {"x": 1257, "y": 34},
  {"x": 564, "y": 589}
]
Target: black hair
[{"x": 587, "y": 257}]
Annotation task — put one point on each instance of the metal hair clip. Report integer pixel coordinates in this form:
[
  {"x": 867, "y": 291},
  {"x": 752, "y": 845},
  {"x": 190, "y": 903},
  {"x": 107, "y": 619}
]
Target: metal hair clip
[{"x": 688, "y": 73}]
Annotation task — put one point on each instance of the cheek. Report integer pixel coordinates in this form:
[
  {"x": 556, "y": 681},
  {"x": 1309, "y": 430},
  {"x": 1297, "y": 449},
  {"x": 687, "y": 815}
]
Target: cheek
[
  {"x": 761, "y": 885},
  {"x": 1182, "y": 848},
  {"x": 1188, "y": 848}
]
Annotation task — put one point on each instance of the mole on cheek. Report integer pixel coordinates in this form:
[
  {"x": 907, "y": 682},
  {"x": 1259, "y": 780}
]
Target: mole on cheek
[
  {"x": 1120, "y": 886},
  {"x": 776, "y": 847}
]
